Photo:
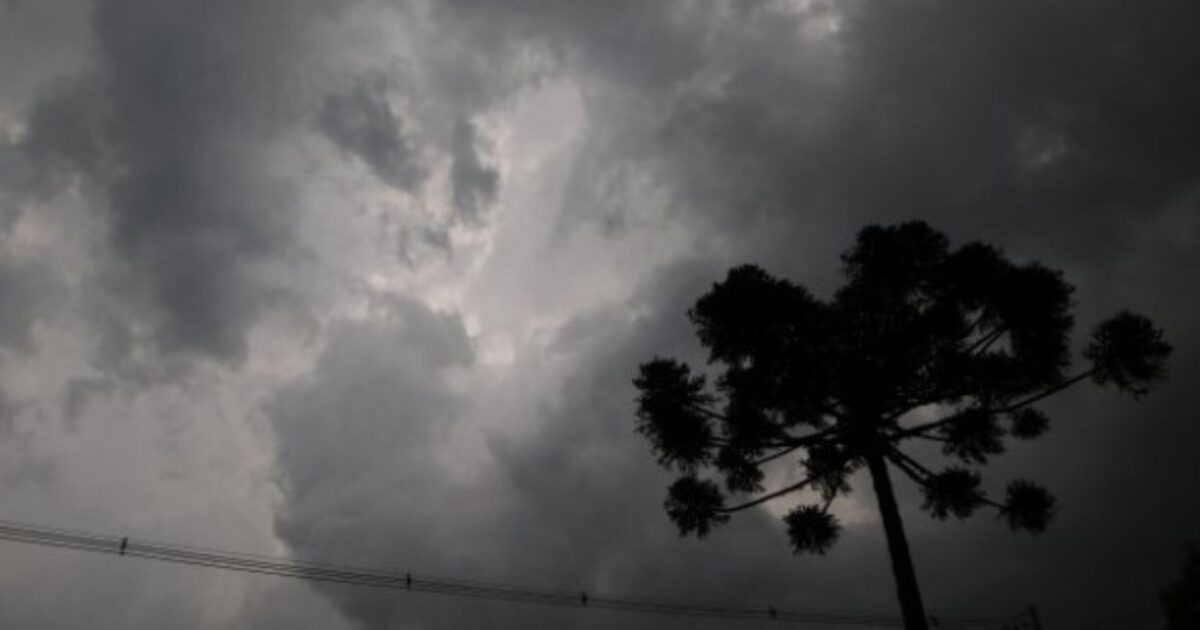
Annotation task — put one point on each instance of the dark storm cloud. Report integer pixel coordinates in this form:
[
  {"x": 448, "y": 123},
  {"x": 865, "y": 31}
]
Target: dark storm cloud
[
  {"x": 11, "y": 179},
  {"x": 197, "y": 93},
  {"x": 173, "y": 129},
  {"x": 78, "y": 393},
  {"x": 574, "y": 503},
  {"x": 474, "y": 183},
  {"x": 363, "y": 123},
  {"x": 6, "y": 416},
  {"x": 358, "y": 442},
  {"x": 1063, "y": 120},
  {"x": 61, "y": 141},
  {"x": 1060, "y": 131},
  {"x": 173, "y": 126},
  {"x": 25, "y": 290}
]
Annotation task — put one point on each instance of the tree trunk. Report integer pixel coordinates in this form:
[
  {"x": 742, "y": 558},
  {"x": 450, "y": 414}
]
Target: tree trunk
[{"x": 902, "y": 565}]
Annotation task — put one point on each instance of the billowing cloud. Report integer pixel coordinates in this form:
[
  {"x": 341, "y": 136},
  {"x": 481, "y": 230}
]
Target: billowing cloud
[
  {"x": 365, "y": 444},
  {"x": 27, "y": 289},
  {"x": 363, "y": 123},
  {"x": 474, "y": 183},
  {"x": 170, "y": 127},
  {"x": 371, "y": 283},
  {"x": 392, "y": 455}
]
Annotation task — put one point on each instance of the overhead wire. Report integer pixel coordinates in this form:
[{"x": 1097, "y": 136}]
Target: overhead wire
[{"x": 338, "y": 574}]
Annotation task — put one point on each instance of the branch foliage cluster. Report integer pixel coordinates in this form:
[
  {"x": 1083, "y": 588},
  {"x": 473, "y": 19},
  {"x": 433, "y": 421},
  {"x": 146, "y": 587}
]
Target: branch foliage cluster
[{"x": 923, "y": 342}]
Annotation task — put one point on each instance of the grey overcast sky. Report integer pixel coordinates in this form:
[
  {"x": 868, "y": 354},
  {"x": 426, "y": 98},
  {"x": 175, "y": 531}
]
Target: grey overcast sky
[{"x": 367, "y": 282}]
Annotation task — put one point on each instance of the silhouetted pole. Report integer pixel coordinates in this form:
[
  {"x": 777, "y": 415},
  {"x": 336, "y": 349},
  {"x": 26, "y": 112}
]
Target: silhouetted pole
[
  {"x": 1033, "y": 616},
  {"x": 902, "y": 564}
]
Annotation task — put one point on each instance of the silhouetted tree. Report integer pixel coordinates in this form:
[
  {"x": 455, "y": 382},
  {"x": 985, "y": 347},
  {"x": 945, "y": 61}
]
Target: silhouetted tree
[
  {"x": 922, "y": 343},
  {"x": 1181, "y": 599}
]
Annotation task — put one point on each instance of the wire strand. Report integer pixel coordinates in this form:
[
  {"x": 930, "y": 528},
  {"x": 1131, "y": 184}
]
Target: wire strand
[{"x": 27, "y": 533}]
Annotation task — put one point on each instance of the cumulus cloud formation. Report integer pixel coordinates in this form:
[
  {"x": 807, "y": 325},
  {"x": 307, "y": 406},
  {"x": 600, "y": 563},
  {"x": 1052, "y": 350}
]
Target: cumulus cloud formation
[
  {"x": 170, "y": 127},
  {"x": 371, "y": 418},
  {"x": 26, "y": 288},
  {"x": 474, "y": 183},
  {"x": 362, "y": 452},
  {"x": 370, "y": 283},
  {"x": 363, "y": 123},
  {"x": 389, "y": 456}
]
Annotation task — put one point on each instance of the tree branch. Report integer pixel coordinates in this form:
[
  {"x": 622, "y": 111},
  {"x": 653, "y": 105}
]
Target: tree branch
[
  {"x": 706, "y": 411},
  {"x": 776, "y": 455},
  {"x": 1048, "y": 392},
  {"x": 780, "y": 444},
  {"x": 931, "y": 438},
  {"x": 910, "y": 405},
  {"x": 784, "y": 441},
  {"x": 909, "y": 472},
  {"x": 919, "y": 431},
  {"x": 922, "y": 474},
  {"x": 983, "y": 343},
  {"x": 767, "y": 497},
  {"x": 832, "y": 411},
  {"x": 716, "y": 441},
  {"x": 983, "y": 313},
  {"x": 792, "y": 444},
  {"x": 811, "y": 438}
]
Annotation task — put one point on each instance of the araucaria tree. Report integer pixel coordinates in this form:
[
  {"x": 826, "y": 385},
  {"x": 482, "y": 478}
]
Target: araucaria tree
[
  {"x": 1181, "y": 599},
  {"x": 922, "y": 343}
]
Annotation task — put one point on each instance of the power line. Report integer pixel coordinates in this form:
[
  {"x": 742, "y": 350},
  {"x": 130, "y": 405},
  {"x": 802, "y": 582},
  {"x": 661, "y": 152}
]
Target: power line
[{"x": 318, "y": 572}]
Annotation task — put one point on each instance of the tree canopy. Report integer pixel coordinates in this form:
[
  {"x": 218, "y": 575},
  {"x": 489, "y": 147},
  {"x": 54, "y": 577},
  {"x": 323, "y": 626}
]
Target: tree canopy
[
  {"x": 1181, "y": 598},
  {"x": 924, "y": 342}
]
